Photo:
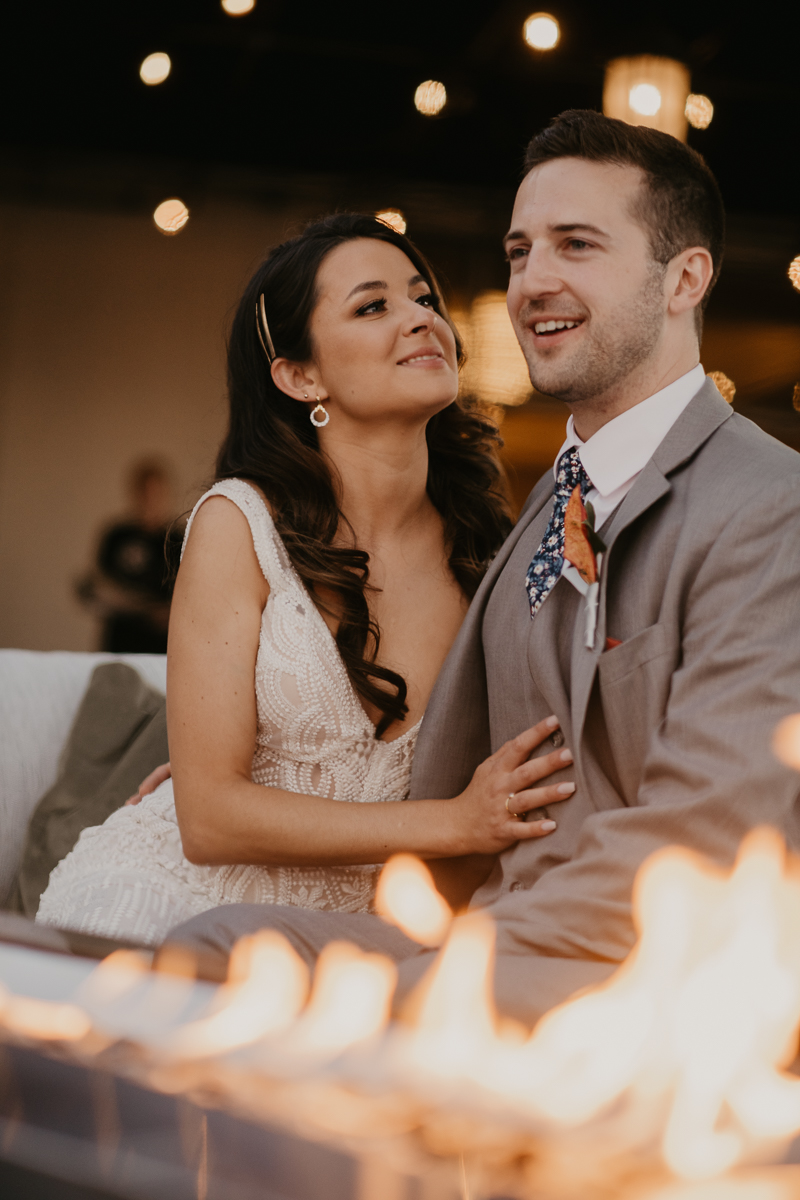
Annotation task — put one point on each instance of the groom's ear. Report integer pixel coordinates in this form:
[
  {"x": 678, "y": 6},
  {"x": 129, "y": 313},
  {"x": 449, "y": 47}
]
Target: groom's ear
[
  {"x": 689, "y": 276},
  {"x": 296, "y": 380}
]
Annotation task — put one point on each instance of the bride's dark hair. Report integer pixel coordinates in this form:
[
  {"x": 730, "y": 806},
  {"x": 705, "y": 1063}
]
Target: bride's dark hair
[{"x": 271, "y": 442}]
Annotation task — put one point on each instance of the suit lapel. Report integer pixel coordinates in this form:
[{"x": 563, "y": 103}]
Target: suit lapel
[
  {"x": 539, "y": 497},
  {"x": 455, "y": 729},
  {"x": 699, "y": 420}
]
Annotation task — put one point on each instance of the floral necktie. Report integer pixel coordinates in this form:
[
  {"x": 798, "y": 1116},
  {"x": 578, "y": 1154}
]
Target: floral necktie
[{"x": 548, "y": 560}]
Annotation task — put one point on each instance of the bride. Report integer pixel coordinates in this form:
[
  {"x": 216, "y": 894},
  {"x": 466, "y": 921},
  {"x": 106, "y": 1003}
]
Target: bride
[{"x": 324, "y": 578}]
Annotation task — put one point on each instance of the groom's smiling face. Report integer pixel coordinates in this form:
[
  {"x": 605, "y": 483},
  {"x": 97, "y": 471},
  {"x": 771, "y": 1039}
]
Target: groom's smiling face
[{"x": 585, "y": 296}]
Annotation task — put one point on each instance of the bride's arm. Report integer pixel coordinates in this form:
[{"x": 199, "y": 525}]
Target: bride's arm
[{"x": 224, "y": 817}]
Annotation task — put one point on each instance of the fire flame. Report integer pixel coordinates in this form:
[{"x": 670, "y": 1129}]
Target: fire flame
[
  {"x": 708, "y": 1004},
  {"x": 43, "y": 1019},
  {"x": 117, "y": 974},
  {"x": 350, "y": 1002},
  {"x": 267, "y": 987},
  {"x": 696, "y": 1025},
  {"x": 455, "y": 1022},
  {"x": 406, "y": 897},
  {"x": 786, "y": 741},
  {"x": 686, "y": 1046}
]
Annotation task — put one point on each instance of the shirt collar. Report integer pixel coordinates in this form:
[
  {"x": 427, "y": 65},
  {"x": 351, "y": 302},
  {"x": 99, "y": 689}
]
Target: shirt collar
[{"x": 621, "y": 448}]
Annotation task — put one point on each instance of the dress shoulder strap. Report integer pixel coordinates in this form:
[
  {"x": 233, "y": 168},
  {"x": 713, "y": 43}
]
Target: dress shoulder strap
[{"x": 270, "y": 550}]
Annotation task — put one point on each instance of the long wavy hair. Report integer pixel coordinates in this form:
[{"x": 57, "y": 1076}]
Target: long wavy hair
[{"x": 271, "y": 442}]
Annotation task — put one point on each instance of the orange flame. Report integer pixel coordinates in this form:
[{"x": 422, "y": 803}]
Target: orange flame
[
  {"x": 455, "y": 1024},
  {"x": 406, "y": 897},
  {"x": 117, "y": 974},
  {"x": 267, "y": 987},
  {"x": 786, "y": 741},
  {"x": 697, "y": 1023},
  {"x": 350, "y": 1001},
  {"x": 42, "y": 1019},
  {"x": 687, "y": 1044}
]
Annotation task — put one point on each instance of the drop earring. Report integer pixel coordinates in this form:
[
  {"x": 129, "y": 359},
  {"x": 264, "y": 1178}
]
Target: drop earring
[{"x": 319, "y": 415}]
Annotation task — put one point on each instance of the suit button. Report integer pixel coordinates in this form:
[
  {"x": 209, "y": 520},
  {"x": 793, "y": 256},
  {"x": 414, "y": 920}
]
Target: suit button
[
  {"x": 517, "y": 886},
  {"x": 558, "y": 739}
]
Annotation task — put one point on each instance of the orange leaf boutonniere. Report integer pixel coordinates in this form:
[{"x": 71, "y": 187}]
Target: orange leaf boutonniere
[
  {"x": 581, "y": 543},
  {"x": 584, "y": 549}
]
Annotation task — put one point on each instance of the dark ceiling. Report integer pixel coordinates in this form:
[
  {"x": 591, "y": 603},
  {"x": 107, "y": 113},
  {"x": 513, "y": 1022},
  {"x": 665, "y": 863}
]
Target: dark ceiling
[{"x": 301, "y": 85}]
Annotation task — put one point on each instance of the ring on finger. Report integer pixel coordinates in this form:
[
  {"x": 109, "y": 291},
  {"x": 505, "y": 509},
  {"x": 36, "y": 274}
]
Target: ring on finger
[{"x": 510, "y": 811}]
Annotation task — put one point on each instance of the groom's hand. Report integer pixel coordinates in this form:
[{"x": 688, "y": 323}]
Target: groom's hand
[
  {"x": 148, "y": 785},
  {"x": 503, "y": 791}
]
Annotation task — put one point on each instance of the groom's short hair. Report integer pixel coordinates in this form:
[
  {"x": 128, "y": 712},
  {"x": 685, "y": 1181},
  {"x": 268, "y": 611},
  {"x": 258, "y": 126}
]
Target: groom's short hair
[{"x": 680, "y": 205}]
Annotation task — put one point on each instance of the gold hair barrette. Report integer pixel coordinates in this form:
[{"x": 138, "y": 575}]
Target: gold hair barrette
[{"x": 262, "y": 329}]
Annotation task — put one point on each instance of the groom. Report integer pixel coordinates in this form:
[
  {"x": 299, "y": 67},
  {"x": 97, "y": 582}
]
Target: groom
[{"x": 669, "y": 675}]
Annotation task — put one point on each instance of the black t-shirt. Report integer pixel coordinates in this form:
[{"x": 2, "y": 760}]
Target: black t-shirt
[{"x": 135, "y": 558}]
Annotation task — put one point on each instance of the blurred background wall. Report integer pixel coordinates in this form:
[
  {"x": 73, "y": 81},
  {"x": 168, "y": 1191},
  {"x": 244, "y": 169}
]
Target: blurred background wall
[{"x": 112, "y": 349}]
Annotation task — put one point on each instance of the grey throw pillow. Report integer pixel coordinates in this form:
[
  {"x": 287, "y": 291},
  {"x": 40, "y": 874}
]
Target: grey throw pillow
[{"x": 119, "y": 736}]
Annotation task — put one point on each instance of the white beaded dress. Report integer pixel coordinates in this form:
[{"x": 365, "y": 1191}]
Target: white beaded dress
[{"x": 129, "y": 879}]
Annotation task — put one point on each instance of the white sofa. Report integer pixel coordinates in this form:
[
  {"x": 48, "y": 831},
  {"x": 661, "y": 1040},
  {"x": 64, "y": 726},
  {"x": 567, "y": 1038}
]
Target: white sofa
[{"x": 39, "y": 696}]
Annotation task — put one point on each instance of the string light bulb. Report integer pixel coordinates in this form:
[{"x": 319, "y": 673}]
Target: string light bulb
[
  {"x": 238, "y": 8},
  {"x": 393, "y": 218},
  {"x": 171, "y": 216},
  {"x": 650, "y": 91},
  {"x": 155, "y": 68},
  {"x": 794, "y": 272},
  {"x": 645, "y": 99},
  {"x": 541, "y": 31},
  {"x": 725, "y": 386},
  {"x": 699, "y": 111},
  {"x": 430, "y": 97}
]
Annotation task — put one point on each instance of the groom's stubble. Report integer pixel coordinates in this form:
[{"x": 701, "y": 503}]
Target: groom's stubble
[{"x": 618, "y": 344}]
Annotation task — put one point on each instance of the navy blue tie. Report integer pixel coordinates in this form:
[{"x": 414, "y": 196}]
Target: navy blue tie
[{"x": 548, "y": 560}]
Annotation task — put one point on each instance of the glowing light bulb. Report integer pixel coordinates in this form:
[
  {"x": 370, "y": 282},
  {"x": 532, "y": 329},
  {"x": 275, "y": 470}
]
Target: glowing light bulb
[
  {"x": 648, "y": 90},
  {"x": 155, "y": 68},
  {"x": 699, "y": 111},
  {"x": 725, "y": 386},
  {"x": 541, "y": 31},
  {"x": 393, "y": 218},
  {"x": 645, "y": 99},
  {"x": 430, "y": 97},
  {"x": 238, "y": 8},
  {"x": 794, "y": 272},
  {"x": 171, "y": 216}
]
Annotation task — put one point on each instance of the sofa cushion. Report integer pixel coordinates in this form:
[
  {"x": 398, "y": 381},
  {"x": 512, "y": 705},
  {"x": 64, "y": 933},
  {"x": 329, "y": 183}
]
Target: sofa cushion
[
  {"x": 118, "y": 737},
  {"x": 40, "y": 691}
]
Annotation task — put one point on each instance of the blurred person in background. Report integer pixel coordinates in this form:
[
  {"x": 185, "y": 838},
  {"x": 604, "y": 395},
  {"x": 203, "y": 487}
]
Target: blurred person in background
[{"x": 130, "y": 586}]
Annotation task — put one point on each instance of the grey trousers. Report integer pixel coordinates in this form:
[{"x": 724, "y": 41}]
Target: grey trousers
[
  {"x": 212, "y": 934},
  {"x": 526, "y": 985}
]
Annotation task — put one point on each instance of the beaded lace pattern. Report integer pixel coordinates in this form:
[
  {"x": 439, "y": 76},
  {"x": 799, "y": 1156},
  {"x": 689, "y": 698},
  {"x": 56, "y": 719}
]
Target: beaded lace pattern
[{"x": 128, "y": 878}]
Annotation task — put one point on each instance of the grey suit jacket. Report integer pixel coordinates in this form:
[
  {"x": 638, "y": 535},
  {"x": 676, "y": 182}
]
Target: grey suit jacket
[{"x": 701, "y": 584}]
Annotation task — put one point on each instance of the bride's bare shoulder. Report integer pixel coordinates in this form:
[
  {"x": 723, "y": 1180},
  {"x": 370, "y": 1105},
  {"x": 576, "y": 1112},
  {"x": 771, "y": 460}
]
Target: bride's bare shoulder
[{"x": 220, "y": 545}]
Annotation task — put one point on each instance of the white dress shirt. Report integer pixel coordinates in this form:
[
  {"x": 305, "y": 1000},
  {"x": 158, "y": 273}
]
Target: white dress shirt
[{"x": 615, "y": 456}]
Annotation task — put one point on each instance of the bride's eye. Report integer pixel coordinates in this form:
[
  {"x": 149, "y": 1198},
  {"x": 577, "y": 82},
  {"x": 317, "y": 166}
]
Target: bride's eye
[
  {"x": 371, "y": 307},
  {"x": 428, "y": 300}
]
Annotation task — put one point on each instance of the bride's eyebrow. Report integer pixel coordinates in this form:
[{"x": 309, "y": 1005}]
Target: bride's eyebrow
[{"x": 372, "y": 285}]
